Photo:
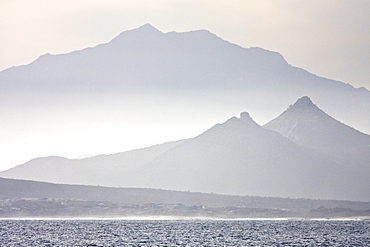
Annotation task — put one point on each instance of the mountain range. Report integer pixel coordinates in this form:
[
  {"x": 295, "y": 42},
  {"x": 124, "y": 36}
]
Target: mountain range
[
  {"x": 173, "y": 81},
  {"x": 303, "y": 153},
  {"x": 191, "y": 66}
]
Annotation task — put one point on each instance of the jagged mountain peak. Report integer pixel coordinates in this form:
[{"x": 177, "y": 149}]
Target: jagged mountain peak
[
  {"x": 245, "y": 116},
  {"x": 305, "y": 115},
  {"x": 304, "y": 110},
  {"x": 302, "y": 114},
  {"x": 147, "y": 28},
  {"x": 245, "y": 120},
  {"x": 307, "y": 125},
  {"x": 305, "y": 101},
  {"x": 146, "y": 31},
  {"x": 234, "y": 127}
]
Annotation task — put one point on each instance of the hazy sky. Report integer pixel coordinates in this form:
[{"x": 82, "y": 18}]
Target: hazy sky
[{"x": 329, "y": 38}]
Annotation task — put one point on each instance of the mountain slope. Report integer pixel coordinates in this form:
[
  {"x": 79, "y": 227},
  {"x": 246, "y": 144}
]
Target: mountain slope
[
  {"x": 307, "y": 125},
  {"x": 108, "y": 170}
]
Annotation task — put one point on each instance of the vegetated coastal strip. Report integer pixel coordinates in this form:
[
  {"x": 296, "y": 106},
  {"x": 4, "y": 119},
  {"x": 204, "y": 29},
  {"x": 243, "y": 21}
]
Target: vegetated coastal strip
[{"x": 24, "y": 199}]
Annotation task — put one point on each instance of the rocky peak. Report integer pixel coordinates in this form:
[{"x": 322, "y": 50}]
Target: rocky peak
[
  {"x": 146, "y": 31},
  {"x": 304, "y": 103},
  {"x": 304, "y": 108},
  {"x": 148, "y": 28},
  {"x": 246, "y": 119}
]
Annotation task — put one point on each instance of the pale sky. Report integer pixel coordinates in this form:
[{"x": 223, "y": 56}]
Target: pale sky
[{"x": 329, "y": 38}]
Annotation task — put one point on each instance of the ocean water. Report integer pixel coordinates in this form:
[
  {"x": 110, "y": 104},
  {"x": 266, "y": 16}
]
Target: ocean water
[{"x": 184, "y": 232}]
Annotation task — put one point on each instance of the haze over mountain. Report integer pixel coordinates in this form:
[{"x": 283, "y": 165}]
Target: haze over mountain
[
  {"x": 146, "y": 60},
  {"x": 237, "y": 157},
  {"x": 106, "y": 170},
  {"x": 147, "y": 87}
]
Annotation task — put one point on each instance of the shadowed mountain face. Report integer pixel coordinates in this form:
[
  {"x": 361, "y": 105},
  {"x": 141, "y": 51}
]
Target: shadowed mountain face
[{"x": 237, "y": 157}]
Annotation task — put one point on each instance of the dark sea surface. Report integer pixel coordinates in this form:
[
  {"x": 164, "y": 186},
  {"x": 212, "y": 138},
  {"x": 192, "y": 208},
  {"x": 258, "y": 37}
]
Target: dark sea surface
[{"x": 184, "y": 232}]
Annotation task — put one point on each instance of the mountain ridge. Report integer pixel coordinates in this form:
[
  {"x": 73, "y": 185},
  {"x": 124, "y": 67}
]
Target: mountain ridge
[
  {"x": 185, "y": 58},
  {"x": 262, "y": 59}
]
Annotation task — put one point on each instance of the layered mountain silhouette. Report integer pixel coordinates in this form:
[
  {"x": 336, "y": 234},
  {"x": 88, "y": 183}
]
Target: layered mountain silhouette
[
  {"x": 145, "y": 61},
  {"x": 236, "y": 157}
]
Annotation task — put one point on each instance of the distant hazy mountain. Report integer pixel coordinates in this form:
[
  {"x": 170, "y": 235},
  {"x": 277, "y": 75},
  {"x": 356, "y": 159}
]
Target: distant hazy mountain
[
  {"x": 145, "y": 61},
  {"x": 108, "y": 170},
  {"x": 307, "y": 125},
  {"x": 237, "y": 157}
]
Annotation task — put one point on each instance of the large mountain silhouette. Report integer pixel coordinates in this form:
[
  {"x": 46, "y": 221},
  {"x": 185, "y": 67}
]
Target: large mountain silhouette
[
  {"x": 236, "y": 157},
  {"x": 145, "y": 61}
]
